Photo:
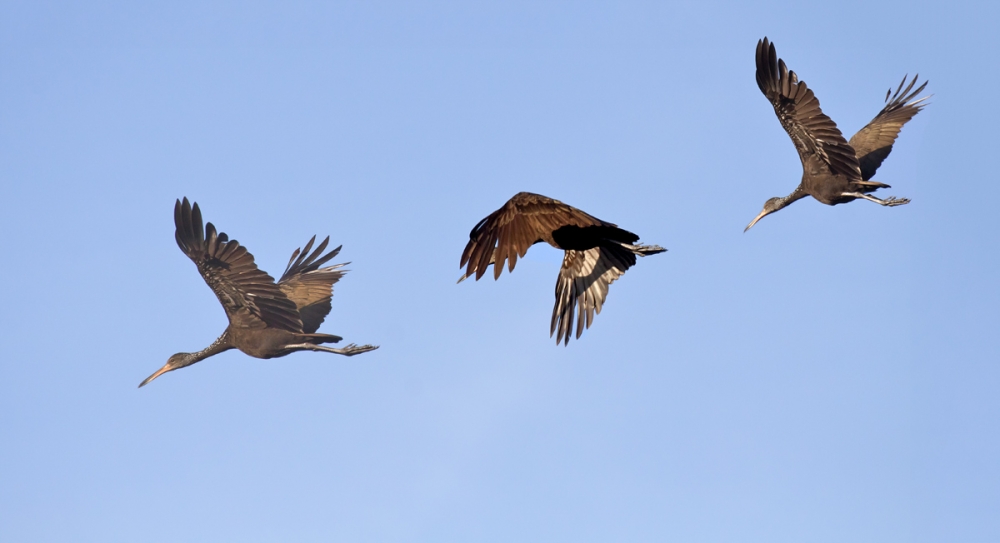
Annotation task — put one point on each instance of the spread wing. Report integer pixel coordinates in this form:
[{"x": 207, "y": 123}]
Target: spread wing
[
  {"x": 873, "y": 143},
  {"x": 583, "y": 285},
  {"x": 309, "y": 286},
  {"x": 249, "y": 296},
  {"x": 816, "y": 136},
  {"x": 508, "y": 232}
]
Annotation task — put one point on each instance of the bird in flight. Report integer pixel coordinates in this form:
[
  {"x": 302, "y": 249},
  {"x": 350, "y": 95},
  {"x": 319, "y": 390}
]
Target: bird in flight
[
  {"x": 266, "y": 319},
  {"x": 834, "y": 171},
  {"x": 596, "y": 253}
]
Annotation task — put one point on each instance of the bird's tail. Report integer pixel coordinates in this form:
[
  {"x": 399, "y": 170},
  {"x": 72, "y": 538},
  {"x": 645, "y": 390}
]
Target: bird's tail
[
  {"x": 871, "y": 186},
  {"x": 316, "y": 339},
  {"x": 644, "y": 250}
]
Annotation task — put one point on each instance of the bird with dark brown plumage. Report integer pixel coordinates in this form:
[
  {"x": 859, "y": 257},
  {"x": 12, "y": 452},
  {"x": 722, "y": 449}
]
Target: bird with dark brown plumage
[
  {"x": 597, "y": 253},
  {"x": 266, "y": 319},
  {"x": 834, "y": 171}
]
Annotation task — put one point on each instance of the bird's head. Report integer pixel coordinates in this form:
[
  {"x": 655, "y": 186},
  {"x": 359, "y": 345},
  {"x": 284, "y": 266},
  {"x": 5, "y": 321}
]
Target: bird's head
[
  {"x": 770, "y": 206},
  {"x": 176, "y": 361}
]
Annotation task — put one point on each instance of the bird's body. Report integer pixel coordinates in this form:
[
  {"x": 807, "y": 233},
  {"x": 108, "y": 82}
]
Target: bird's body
[
  {"x": 596, "y": 253},
  {"x": 834, "y": 171},
  {"x": 270, "y": 342},
  {"x": 267, "y": 319}
]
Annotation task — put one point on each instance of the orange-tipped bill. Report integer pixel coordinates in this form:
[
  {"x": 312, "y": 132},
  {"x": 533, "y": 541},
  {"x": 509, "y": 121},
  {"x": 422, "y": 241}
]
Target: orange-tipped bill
[
  {"x": 757, "y": 218},
  {"x": 158, "y": 373}
]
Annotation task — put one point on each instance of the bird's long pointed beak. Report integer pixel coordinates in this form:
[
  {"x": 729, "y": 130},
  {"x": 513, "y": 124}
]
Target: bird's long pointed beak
[
  {"x": 754, "y": 221},
  {"x": 158, "y": 373}
]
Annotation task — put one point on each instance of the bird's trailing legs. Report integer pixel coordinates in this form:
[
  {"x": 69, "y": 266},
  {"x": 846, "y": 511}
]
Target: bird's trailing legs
[
  {"x": 349, "y": 350},
  {"x": 891, "y": 201}
]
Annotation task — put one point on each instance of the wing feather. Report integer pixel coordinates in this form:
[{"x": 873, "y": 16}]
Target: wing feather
[
  {"x": 310, "y": 286},
  {"x": 508, "y": 232},
  {"x": 813, "y": 133},
  {"x": 249, "y": 295},
  {"x": 582, "y": 286},
  {"x": 873, "y": 143}
]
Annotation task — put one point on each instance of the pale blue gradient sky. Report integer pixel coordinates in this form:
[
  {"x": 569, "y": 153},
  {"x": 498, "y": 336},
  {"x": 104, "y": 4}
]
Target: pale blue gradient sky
[{"x": 832, "y": 375}]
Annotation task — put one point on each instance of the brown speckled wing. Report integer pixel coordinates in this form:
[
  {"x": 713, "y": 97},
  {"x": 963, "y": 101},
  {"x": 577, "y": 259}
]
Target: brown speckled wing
[
  {"x": 249, "y": 295},
  {"x": 813, "y": 133}
]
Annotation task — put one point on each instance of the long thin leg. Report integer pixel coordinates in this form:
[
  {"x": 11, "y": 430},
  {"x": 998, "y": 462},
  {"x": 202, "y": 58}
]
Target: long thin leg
[
  {"x": 349, "y": 350},
  {"x": 891, "y": 201}
]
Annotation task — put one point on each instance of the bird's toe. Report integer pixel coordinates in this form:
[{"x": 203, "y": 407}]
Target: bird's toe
[{"x": 353, "y": 349}]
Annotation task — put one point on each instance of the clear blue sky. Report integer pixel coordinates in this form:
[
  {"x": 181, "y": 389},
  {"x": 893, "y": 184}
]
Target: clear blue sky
[{"x": 831, "y": 375}]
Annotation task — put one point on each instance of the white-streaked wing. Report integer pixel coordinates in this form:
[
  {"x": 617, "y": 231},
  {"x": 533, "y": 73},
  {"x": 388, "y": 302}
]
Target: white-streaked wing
[{"x": 583, "y": 286}]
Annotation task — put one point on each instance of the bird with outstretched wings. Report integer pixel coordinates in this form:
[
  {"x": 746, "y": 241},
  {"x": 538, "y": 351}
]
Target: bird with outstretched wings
[
  {"x": 597, "y": 253},
  {"x": 834, "y": 171}
]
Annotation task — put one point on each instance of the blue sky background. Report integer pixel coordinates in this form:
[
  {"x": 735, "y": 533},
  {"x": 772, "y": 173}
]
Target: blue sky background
[{"x": 831, "y": 375}]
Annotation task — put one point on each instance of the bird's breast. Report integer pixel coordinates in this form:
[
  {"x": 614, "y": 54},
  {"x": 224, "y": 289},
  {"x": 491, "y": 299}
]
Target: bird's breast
[{"x": 262, "y": 342}]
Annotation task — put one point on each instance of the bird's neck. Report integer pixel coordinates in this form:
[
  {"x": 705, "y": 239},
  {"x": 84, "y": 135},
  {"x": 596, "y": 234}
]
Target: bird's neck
[
  {"x": 221, "y": 344},
  {"x": 796, "y": 194}
]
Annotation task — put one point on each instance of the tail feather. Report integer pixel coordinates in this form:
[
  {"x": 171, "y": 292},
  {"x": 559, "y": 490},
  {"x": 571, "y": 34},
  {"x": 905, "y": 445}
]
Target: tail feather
[
  {"x": 317, "y": 339},
  {"x": 874, "y": 184},
  {"x": 870, "y": 186},
  {"x": 644, "y": 250}
]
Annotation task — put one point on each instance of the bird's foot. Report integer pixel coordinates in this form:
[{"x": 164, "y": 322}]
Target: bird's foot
[
  {"x": 892, "y": 201},
  {"x": 352, "y": 349}
]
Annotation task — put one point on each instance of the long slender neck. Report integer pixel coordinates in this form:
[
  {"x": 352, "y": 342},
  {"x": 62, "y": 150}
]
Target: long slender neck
[
  {"x": 221, "y": 344},
  {"x": 796, "y": 194}
]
